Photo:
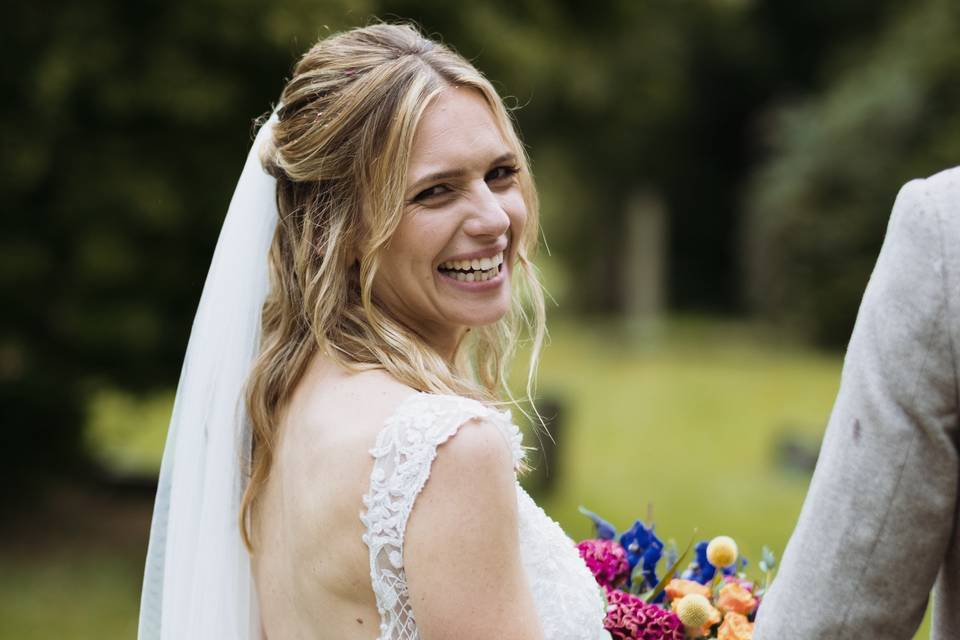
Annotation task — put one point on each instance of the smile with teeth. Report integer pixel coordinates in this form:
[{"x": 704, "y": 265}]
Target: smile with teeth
[{"x": 476, "y": 270}]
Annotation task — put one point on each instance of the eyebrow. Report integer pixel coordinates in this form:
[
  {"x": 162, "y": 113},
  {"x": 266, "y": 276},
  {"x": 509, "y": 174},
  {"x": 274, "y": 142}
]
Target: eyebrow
[{"x": 508, "y": 157}]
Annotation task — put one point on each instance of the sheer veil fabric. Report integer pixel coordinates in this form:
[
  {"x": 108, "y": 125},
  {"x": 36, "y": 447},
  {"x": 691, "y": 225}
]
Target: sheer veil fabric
[{"x": 197, "y": 582}]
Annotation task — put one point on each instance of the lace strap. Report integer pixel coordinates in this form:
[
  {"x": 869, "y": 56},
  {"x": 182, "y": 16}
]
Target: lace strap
[{"x": 403, "y": 454}]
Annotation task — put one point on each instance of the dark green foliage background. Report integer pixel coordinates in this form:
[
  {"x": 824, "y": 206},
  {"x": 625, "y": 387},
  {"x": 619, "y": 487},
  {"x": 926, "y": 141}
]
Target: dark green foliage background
[
  {"x": 818, "y": 208},
  {"x": 125, "y": 126}
]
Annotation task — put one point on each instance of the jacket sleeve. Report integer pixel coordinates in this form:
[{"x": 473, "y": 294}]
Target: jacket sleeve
[{"x": 879, "y": 514}]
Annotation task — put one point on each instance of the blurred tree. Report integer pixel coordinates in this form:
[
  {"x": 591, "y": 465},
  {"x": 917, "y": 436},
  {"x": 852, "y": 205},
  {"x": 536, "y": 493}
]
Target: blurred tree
[
  {"x": 121, "y": 149},
  {"x": 659, "y": 97},
  {"x": 611, "y": 104},
  {"x": 819, "y": 207}
]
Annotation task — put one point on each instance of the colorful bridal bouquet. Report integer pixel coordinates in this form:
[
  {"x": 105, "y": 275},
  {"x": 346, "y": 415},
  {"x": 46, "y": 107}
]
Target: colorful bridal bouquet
[{"x": 711, "y": 598}]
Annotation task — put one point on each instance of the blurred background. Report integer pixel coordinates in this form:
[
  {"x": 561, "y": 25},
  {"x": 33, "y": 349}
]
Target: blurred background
[{"x": 716, "y": 178}]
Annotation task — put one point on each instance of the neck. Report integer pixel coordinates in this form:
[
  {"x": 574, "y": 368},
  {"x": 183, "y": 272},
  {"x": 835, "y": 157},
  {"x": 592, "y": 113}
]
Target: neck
[{"x": 448, "y": 344}]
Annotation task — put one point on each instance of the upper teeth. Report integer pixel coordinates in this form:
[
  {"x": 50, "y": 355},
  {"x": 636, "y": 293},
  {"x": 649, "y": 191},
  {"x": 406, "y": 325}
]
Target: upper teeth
[{"x": 477, "y": 264}]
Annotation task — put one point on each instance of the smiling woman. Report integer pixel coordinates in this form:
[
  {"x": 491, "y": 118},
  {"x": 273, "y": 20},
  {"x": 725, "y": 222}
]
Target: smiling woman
[
  {"x": 400, "y": 216},
  {"x": 438, "y": 275}
]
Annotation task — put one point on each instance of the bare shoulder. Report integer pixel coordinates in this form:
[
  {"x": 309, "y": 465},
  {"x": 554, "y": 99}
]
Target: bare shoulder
[
  {"x": 369, "y": 384},
  {"x": 477, "y": 450},
  {"x": 471, "y": 484},
  {"x": 329, "y": 426},
  {"x": 344, "y": 403},
  {"x": 309, "y": 510},
  {"x": 461, "y": 547}
]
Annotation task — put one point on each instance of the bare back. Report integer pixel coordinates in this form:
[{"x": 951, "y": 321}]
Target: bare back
[{"x": 311, "y": 566}]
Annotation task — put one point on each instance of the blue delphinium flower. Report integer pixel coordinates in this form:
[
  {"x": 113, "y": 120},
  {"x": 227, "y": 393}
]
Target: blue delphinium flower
[
  {"x": 701, "y": 570},
  {"x": 644, "y": 548},
  {"x": 650, "y": 559},
  {"x": 741, "y": 566},
  {"x": 605, "y": 530}
]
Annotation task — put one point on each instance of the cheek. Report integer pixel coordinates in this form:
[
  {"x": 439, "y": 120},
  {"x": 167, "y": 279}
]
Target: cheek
[
  {"x": 516, "y": 210},
  {"x": 417, "y": 243}
]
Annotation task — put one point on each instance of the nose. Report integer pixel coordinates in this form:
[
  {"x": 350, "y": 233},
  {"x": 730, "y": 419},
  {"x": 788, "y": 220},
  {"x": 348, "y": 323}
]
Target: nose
[{"x": 487, "y": 216}]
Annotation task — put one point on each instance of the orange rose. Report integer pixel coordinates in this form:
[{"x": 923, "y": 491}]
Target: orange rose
[
  {"x": 676, "y": 589},
  {"x": 713, "y": 618},
  {"x": 735, "y": 627},
  {"x": 734, "y": 597}
]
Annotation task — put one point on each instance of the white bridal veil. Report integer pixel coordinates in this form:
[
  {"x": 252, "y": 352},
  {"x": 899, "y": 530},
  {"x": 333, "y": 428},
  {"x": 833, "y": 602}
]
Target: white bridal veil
[{"x": 197, "y": 583}]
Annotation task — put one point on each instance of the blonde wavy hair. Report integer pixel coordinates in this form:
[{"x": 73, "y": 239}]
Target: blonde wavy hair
[{"x": 340, "y": 152}]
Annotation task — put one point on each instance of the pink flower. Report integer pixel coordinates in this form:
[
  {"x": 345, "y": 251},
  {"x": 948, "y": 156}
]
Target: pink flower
[
  {"x": 606, "y": 559},
  {"x": 630, "y": 618}
]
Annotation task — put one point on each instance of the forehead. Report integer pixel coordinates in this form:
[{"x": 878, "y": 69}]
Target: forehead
[{"x": 457, "y": 129}]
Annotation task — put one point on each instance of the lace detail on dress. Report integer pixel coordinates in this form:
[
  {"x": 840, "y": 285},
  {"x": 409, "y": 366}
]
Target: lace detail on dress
[
  {"x": 403, "y": 454},
  {"x": 568, "y": 601}
]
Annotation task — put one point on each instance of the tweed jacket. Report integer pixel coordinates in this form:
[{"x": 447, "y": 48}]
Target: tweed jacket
[{"x": 878, "y": 529}]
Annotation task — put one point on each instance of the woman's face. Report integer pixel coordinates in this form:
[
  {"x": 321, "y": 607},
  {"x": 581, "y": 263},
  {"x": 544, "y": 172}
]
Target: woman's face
[{"x": 448, "y": 265}]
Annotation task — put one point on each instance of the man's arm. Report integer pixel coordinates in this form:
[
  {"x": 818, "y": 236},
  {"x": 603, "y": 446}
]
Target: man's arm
[{"x": 878, "y": 517}]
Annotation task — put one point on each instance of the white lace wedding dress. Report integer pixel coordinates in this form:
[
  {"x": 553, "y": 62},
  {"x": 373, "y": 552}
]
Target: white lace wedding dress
[{"x": 569, "y": 603}]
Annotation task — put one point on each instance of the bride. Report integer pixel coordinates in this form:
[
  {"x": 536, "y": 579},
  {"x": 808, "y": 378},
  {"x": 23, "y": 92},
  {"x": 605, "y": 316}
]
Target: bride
[{"x": 336, "y": 466}]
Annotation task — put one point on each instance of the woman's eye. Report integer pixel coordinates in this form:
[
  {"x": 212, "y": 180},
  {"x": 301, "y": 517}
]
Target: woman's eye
[
  {"x": 502, "y": 173},
  {"x": 435, "y": 190}
]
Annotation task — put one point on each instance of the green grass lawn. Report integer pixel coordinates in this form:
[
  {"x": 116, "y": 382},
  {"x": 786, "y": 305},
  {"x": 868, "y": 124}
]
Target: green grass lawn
[
  {"x": 683, "y": 418},
  {"x": 74, "y": 593}
]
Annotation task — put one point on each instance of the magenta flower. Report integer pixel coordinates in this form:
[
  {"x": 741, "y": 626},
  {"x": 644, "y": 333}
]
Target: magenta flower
[
  {"x": 606, "y": 559},
  {"x": 630, "y": 618}
]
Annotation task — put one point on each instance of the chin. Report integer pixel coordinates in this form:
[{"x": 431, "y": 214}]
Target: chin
[
  {"x": 477, "y": 323},
  {"x": 483, "y": 318}
]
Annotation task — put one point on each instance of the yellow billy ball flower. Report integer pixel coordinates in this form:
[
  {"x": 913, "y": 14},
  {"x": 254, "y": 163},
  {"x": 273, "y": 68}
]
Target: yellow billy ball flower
[
  {"x": 722, "y": 551},
  {"x": 694, "y": 610}
]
